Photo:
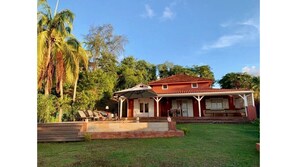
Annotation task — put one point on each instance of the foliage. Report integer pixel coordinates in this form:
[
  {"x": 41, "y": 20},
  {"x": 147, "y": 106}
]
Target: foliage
[
  {"x": 186, "y": 130},
  {"x": 164, "y": 69},
  {"x": 59, "y": 54},
  {"x": 236, "y": 81},
  {"x": 46, "y": 108},
  {"x": 132, "y": 72},
  {"x": 104, "y": 47},
  {"x": 52, "y": 33},
  {"x": 205, "y": 145},
  {"x": 203, "y": 71},
  {"x": 167, "y": 69},
  {"x": 241, "y": 80},
  {"x": 87, "y": 137},
  {"x": 65, "y": 105}
]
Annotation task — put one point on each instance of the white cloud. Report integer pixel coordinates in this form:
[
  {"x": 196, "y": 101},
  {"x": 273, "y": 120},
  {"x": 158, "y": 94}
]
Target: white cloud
[
  {"x": 250, "y": 22},
  {"x": 167, "y": 14},
  {"x": 251, "y": 70},
  {"x": 240, "y": 31},
  {"x": 224, "y": 41},
  {"x": 149, "y": 12}
]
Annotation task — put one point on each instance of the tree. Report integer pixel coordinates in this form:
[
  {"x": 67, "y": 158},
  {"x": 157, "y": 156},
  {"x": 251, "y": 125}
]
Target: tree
[
  {"x": 203, "y": 71},
  {"x": 104, "y": 45},
  {"x": 104, "y": 48},
  {"x": 132, "y": 72},
  {"x": 59, "y": 53},
  {"x": 164, "y": 69},
  {"x": 256, "y": 87},
  {"x": 236, "y": 81},
  {"x": 51, "y": 32},
  {"x": 243, "y": 80}
]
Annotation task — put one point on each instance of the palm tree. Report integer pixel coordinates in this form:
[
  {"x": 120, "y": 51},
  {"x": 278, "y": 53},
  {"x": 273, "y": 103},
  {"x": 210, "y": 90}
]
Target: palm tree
[
  {"x": 76, "y": 56},
  {"x": 52, "y": 30},
  {"x": 59, "y": 53},
  {"x": 67, "y": 63}
]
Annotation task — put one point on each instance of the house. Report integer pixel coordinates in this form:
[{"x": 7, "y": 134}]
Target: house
[{"x": 186, "y": 96}]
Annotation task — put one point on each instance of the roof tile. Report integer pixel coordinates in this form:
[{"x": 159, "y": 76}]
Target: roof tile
[{"x": 179, "y": 78}]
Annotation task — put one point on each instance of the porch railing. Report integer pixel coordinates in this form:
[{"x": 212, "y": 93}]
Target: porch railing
[{"x": 224, "y": 112}]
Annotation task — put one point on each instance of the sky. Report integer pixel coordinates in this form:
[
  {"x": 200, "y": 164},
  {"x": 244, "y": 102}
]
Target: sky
[{"x": 223, "y": 34}]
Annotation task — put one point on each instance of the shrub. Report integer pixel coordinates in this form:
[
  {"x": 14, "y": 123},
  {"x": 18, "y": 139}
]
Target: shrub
[
  {"x": 186, "y": 130},
  {"x": 87, "y": 137},
  {"x": 46, "y": 110}
]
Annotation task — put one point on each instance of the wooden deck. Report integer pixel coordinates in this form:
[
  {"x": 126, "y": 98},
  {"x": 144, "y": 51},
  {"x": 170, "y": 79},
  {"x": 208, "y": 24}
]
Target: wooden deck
[
  {"x": 72, "y": 131},
  {"x": 66, "y": 131}
]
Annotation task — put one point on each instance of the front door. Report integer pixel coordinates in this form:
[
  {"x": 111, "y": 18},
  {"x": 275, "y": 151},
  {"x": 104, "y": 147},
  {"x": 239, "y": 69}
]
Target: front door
[{"x": 182, "y": 106}]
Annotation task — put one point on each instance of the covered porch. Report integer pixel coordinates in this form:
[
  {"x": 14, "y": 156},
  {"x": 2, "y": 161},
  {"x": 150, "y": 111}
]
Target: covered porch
[
  {"x": 221, "y": 103},
  {"x": 206, "y": 103}
]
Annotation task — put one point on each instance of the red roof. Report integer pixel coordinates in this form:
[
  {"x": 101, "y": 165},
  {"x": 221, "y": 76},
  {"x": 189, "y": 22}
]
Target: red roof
[{"x": 180, "y": 78}]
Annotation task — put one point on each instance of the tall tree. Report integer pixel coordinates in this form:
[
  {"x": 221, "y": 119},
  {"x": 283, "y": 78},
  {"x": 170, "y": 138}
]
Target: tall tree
[
  {"x": 51, "y": 32},
  {"x": 236, "y": 81},
  {"x": 132, "y": 72},
  {"x": 104, "y": 45},
  {"x": 59, "y": 53},
  {"x": 164, "y": 69},
  {"x": 203, "y": 71}
]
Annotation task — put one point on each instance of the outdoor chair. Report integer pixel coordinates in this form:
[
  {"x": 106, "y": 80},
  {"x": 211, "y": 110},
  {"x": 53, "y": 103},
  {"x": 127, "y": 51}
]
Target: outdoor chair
[
  {"x": 98, "y": 116},
  {"x": 90, "y": 114},
  {"x": 82, "y": 115}
]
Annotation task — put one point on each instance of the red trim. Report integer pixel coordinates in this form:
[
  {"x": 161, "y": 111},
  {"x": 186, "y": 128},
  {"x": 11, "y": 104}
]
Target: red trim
[
  {"x": 195, "y": 107},
  {"x": 131, "y": 107}
]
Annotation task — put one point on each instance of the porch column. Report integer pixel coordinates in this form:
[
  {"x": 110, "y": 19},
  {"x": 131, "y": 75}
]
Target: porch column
[
  {"x": 199, "y": 98},
  {"x": 122, "y": 99},
  {"x": 157, "y": 99},
  {"x": 245, "y": 103}
]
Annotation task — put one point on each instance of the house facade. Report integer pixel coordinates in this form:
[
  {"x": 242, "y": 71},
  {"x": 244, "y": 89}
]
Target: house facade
[{"x": 187, "y": 96}]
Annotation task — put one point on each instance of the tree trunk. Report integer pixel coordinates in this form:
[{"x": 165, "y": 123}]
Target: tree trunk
[
  {"x": 61, "y": 97},
  {"x": 46, "y": 87},
  {"x": 74, "y": 90}
]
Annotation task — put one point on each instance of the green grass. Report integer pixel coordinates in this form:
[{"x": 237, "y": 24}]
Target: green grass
[{"x": 204, "y": 145}]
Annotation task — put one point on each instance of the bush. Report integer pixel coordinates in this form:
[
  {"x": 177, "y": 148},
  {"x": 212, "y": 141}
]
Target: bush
[
  {"x": 186, "y": 130},
  {"x": 46, "y": 108},
  {"x": 87, "y": 137}
]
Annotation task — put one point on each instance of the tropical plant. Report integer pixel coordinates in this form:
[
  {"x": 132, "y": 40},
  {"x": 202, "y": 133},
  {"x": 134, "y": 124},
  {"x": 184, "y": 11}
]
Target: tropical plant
[
  {"x": 59, "y": 53},
  {"x": 51, "y": 34},
  {"x": 46, "y": 108}
]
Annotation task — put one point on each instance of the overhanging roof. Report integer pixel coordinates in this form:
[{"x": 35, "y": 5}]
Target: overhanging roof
[{"x": 205, "y": 92}]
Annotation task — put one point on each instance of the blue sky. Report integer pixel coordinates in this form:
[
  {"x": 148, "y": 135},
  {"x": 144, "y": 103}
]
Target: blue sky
[{"x": 223, "y": 34}]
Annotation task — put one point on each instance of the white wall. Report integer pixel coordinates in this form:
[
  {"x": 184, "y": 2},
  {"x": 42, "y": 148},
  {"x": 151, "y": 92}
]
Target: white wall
[{"x": 136, "y": 110}]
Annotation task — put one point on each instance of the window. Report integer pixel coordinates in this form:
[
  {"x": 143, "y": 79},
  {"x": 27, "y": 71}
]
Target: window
[
  {"x": 143, "y": 107},
  {"x": 164, "y": 87},
  {"x": 146, "y": 107},
  {"x": 216, "y": 103},
  {"x": 194, "y": 85}
]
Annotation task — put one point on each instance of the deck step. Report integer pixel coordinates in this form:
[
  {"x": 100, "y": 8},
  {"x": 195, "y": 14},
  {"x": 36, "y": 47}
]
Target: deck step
[{"x": 55, "y": 132}]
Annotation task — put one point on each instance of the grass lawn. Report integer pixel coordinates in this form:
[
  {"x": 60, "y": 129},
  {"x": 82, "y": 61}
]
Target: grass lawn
[{"x": 205, "y": 145}]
